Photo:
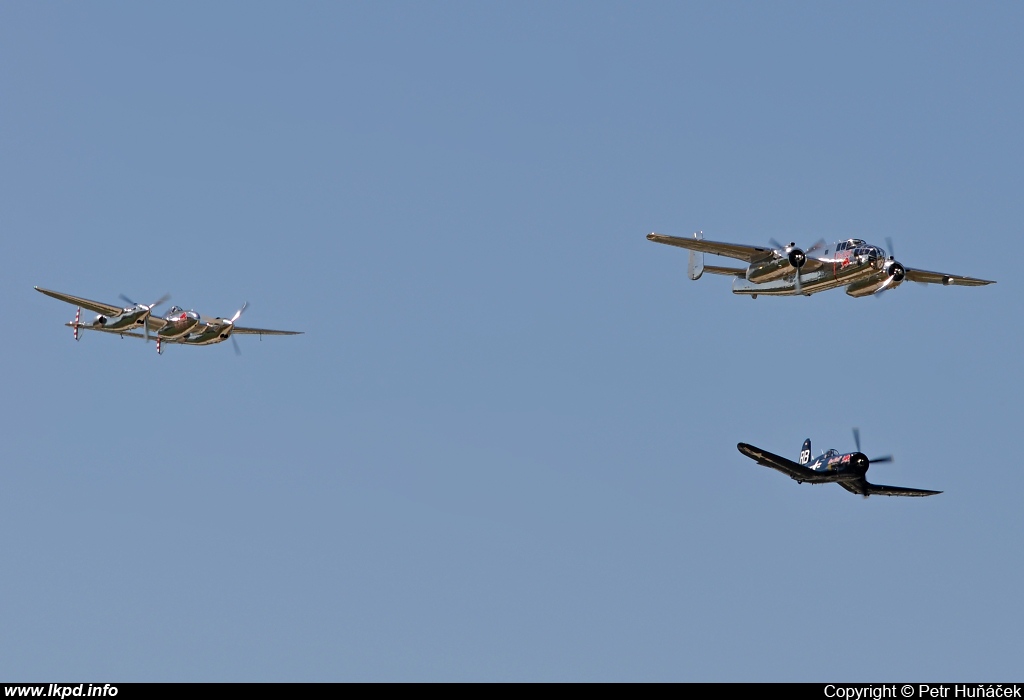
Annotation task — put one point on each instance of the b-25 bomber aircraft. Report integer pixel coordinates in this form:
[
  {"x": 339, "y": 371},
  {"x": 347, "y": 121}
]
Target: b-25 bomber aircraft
[
  {"x": 787, "y": 270},
  {"x": 847, "y": 470},
  {"x": 176, "y": 326}
]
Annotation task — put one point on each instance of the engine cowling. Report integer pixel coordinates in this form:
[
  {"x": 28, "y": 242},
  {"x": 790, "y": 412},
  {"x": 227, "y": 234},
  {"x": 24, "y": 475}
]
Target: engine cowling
[
  {"x": 101, "y": 320},
  {"x": 860, "y": 462},
  {"x": 782, "y": 263},
  {"x": 896, "y": 271}
]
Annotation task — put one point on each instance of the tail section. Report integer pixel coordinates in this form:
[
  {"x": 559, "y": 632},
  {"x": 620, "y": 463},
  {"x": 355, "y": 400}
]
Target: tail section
[
  {"x": 696, "y": 268},
  {"x": 805, "y": 452}
]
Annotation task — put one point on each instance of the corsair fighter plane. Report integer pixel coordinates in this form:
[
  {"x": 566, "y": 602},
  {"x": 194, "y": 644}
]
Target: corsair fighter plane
[
  {"x": 178, "y": 326},
  {"x": 847, "y": 470},
  {"x": 787, "y": 270}
]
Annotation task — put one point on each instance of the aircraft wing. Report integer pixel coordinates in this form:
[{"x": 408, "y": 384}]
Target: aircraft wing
[
  {"x": 746, "y": 253},
  {"x": 98, "y": 307},
  {"x": 942, "y": 278},
  {"x": 791, "y": 469},
  {"x": 862, "y": 487},
  {"x": 263, "y": 331}
]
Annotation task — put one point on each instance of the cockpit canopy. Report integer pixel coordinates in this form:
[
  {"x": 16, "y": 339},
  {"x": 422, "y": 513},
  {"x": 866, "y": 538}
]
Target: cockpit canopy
[{"x": 860, "y": 247}]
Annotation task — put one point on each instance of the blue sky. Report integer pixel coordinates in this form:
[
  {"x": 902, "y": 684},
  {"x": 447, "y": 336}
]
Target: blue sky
[{"x": 505, "y": 447}]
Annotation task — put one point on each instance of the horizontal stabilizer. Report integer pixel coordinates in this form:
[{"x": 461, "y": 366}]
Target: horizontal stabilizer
[{"x": 730, "y": 271}]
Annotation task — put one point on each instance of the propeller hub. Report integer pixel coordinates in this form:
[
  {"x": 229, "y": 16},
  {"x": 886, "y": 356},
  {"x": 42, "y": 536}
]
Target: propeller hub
[
  {"x": 896, "y": 271},
  {"x": 860, "y": 462}
]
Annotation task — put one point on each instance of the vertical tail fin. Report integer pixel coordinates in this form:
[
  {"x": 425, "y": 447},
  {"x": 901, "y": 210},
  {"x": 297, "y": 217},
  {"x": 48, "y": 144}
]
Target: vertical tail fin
[
  {"x": 805, "y": 452},
  {"x": 696, "y": 268}
]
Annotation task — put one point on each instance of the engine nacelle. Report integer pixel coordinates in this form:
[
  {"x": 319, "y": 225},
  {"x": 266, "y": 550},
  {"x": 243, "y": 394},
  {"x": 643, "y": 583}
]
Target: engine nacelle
[
  {"x": 891, "y": 276},
  {"x": 100, "y": 320},
  {"x": 775, "y": 268}
]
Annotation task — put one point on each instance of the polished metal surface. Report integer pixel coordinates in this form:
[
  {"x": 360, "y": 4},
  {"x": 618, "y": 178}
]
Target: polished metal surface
[
  {"x": 788, "y": 270},
  {"x": 177, "y": 326}
]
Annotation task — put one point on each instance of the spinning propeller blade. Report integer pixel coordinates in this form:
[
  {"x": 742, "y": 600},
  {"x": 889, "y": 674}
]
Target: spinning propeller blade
[
  {"x": 149, "y": 311},
  {"x": 877, "y": 460},
  {"x": 815, "y": 248}
]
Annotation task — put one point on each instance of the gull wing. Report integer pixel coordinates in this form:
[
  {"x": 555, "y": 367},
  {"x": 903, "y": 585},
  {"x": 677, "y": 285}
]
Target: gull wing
[
  {"x": 97, "y": 306},
  {"x": 791, "y": 469},
  {"x": 263, "y": 331},
  {"x": 942, "y": 278},
  {"x": 746, "y": 253},
  {"x": 862, "y": 487}
]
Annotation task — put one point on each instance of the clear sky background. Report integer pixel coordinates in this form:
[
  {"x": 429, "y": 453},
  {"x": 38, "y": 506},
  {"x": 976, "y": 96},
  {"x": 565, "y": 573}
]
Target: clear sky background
[{"x": 505, "y": 448}]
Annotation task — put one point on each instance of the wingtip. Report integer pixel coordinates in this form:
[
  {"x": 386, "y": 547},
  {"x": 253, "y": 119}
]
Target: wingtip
[{"x": 651, "y": 236}]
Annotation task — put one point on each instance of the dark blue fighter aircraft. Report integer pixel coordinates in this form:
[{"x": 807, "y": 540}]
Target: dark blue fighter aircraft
[{"x": 847, "y": 470}]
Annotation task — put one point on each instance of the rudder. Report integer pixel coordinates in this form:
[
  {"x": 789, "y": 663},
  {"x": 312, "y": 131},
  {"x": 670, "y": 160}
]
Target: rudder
[
  {"x": 696, "y": 267},
  {"x": 805, "y": 452}
]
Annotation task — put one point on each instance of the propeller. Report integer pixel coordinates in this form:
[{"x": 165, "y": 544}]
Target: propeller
[
  {"x": 876, "y": 460},
  {"x": 228, "y": 323},
  {"x": 149, "y": 310},
  {"x": 896, "y": 272},
  {"x": 797, "y": 257},
  {"x": 816, "y": 247}
]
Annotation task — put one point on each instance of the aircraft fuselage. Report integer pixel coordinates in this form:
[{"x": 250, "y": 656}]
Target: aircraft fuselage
[{"x": 854, "y": 264}]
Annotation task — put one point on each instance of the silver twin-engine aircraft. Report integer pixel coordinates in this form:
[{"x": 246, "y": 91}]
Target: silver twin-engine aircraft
[
  {"x": 847, "y": 470},
  {"x": 786, "y": 270},
  {"x": 176, "y": 326}
]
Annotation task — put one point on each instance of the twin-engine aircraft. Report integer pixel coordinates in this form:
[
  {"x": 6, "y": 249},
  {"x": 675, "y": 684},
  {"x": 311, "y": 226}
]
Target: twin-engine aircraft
[
  {"x": 176, "y": 326},
  {"x": 847, "y": 470},
  {"x": 786, "y": 270}
]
